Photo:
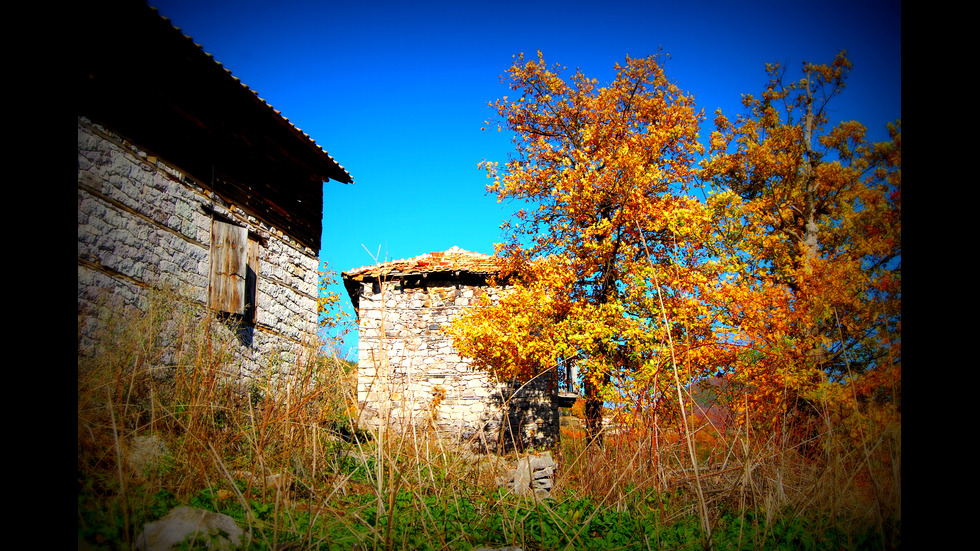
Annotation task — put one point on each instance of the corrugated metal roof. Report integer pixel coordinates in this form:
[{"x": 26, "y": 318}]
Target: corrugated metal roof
[
  {"x": 348, "y": 180},
  {"x": 451, "y": 260},
  {"x": 143, "y": 79}
]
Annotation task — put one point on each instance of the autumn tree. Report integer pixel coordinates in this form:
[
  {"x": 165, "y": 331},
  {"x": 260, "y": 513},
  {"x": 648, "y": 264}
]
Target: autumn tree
[
  {"x": 601, "y": 173},
  {"x": 808, "y": 230},
  {"x": 332, "y": 321}
]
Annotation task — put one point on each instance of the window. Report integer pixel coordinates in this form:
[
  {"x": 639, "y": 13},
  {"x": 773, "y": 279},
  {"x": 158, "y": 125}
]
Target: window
[{"x": 234, "y": 269}]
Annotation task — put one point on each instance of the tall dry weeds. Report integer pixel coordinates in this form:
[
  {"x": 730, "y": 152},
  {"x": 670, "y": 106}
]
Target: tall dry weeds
[
  {"x": 167, "y": 372},
  {"x": 851, "y": 481}
]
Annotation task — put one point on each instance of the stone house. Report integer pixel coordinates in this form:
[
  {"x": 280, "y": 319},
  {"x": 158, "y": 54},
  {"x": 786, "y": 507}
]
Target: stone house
[
  {"x": 408, "y": 370},
  {"x": 187, "y": 179}
]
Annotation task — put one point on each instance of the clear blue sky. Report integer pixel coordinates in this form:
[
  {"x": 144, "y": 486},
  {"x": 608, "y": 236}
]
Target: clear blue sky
[{"x": 397, "y": 92}]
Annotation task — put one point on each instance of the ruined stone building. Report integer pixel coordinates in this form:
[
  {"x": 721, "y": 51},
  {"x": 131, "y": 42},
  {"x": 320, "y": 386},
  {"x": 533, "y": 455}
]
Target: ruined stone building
[
  {"x": 408, "y": 371},
  {"x": 187, "y": 179}
]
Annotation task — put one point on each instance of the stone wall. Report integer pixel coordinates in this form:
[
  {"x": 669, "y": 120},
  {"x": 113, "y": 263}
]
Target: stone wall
[
  {"x": 141, "y": 224},
  {"x": 430, "y": 387}
]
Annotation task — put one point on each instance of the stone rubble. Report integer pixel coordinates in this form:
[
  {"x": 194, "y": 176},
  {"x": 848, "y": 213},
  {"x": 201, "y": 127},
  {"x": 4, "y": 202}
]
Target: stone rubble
[{"x": 533, "y": 474}]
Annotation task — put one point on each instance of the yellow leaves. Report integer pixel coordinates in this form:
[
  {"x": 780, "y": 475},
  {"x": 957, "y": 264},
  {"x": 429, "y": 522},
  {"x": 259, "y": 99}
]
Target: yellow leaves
[
  {"x": 517, "y": 337},
  {"x": 332, "y": 321},
  {"x": 719, "y": 142},
  {"x": 738, "y": 286}
]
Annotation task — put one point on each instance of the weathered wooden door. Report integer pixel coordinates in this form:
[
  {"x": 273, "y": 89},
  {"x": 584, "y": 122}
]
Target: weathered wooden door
[{"x": 234, "y": 269}]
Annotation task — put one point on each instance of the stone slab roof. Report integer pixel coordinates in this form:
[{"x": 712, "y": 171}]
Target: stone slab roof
[
  {"x": 457, "y": 262},
  {"x": 451, "y": 260}
]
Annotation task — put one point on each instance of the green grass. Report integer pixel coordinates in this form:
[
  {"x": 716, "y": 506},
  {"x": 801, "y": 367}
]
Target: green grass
[
  {"x": 224, "y": 438},
  {"x": 434, "y": 521}
]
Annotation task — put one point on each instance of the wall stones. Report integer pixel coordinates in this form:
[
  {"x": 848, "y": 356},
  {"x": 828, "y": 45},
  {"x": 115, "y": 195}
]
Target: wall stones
[
  {"x": 410, "y": 374},
  {"x": 141, "y": 224}
]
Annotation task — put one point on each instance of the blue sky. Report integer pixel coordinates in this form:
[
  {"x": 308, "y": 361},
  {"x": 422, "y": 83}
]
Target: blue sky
[{"x": 397, "y": 92}]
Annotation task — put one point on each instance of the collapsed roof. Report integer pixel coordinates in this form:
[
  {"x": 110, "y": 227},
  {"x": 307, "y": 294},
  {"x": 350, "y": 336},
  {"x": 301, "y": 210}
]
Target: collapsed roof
[{"x": 454, "y": 262}]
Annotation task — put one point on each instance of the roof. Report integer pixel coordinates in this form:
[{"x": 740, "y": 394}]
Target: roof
[
  {"x": 454, "y": 261},
  {"x": 139, "y": 76},
  {"x": 451, "y": 260}
]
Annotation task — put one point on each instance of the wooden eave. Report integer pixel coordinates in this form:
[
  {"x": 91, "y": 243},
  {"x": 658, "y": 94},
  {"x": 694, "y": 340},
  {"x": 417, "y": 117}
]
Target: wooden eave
[
  {"x": 141, "y": 77},
  {"x": 464, "y": 277}
]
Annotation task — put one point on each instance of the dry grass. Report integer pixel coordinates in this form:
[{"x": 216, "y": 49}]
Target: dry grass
[
  {"x": 778, "y": 471},
  {"x": 271, "y": 448},
  {"x": 167, "y": 373}
]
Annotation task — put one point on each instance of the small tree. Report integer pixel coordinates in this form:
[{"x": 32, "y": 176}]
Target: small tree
[{"x": 332, "y": 321}]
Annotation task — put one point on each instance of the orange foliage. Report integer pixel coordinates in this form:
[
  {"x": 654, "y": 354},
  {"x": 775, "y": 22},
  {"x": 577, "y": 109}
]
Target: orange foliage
[
  {"x": 571, "y": 433},
  {"x": 788, "y": 276},
  {"x": 808, "y": 234},
  {"x": 601, "y": 172}
]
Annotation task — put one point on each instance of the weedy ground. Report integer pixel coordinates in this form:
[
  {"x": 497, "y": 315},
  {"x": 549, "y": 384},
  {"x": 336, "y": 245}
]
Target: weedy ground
[{"x": 281, "y": 454}]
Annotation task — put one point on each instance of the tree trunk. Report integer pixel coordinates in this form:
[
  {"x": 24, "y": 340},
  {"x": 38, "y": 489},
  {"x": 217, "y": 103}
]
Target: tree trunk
[
  {"x": 811, "y": 241},
  {"x": 593, "y": 413},
  {"x": 810, "y": 161}
]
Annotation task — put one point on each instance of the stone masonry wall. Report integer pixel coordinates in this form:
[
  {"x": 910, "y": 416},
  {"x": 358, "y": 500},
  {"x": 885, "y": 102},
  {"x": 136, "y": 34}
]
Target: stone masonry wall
[
  {"x": 429, "y": 385},
  {"x": 141, "y": 224}
]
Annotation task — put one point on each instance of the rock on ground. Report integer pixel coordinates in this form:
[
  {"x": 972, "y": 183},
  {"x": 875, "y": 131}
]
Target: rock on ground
[{"x": 214, "y": 530}]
